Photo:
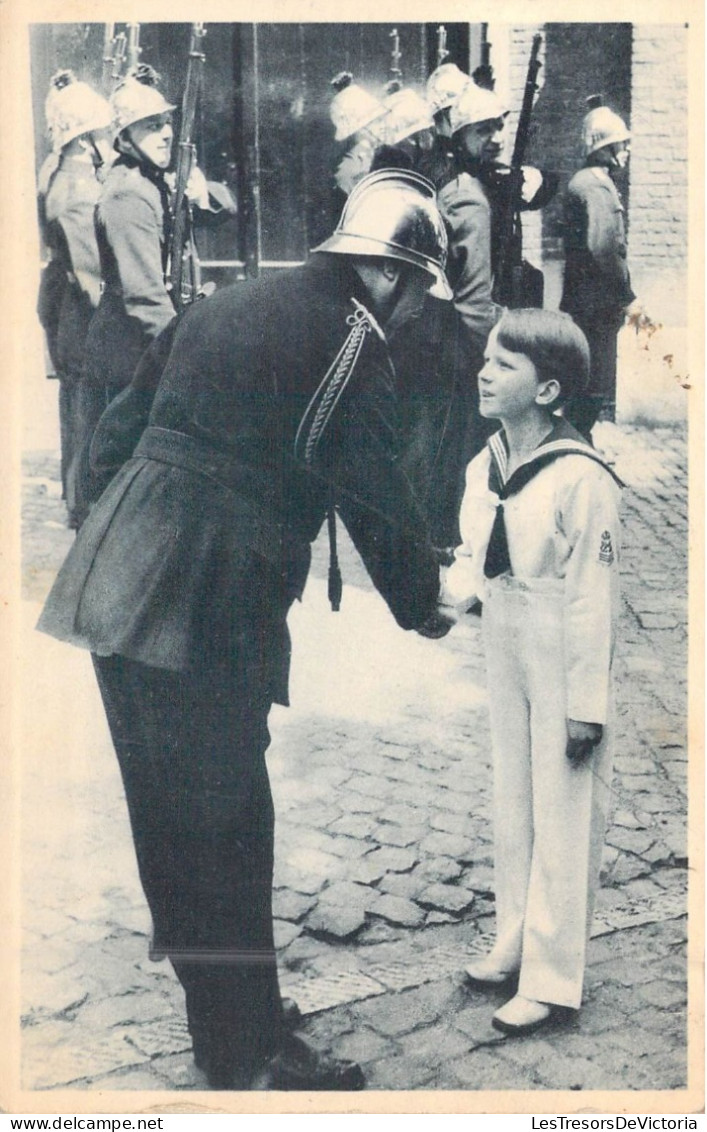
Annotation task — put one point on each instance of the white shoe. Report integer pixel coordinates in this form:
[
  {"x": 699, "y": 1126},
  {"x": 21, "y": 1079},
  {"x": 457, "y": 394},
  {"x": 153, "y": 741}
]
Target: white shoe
[
  {"x": 486, "y": 973},
  {"x": 521, "y": 1015}
]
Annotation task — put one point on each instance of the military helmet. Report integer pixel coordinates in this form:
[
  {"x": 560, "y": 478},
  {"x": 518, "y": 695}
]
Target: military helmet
[
  {"x": 601, "y": 126},
  {"x": 475, "y": 104},
  {"x": 352, "y": 108},
  {"x": 444, "y": 86},
  {"x": 73, "y": 108},
  {"x": 392, "y": 214},
  {"x": 137, "y": 98},
  {"x": 408, "y": 113}
]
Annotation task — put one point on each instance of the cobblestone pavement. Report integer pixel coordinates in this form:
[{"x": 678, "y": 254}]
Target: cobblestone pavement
[{"x": 381, "y": 775}]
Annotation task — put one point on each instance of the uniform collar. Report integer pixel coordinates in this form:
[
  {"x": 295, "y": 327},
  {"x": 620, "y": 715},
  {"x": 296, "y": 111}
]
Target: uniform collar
[
  {"x": 78, "y": 168},
  {"x": 562, "y": 440},
  {"x": 601, "y": 173}
]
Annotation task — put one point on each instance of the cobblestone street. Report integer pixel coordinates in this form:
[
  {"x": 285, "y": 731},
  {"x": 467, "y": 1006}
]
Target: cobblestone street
[{"x": 384, "y": 886}]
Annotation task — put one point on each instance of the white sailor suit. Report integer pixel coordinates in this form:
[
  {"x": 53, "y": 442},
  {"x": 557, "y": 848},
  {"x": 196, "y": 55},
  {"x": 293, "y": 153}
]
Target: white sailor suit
[{"x": 549, "y": 620}]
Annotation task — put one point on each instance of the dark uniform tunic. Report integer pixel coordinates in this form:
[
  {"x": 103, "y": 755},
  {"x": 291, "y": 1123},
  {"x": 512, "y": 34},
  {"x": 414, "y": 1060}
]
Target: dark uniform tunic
[
  {"x": 436, "y": 361},
  {"x": 597, "y": 284},
  {"x": 180, "y": 583},
  {"x": 69, "y": 291}
]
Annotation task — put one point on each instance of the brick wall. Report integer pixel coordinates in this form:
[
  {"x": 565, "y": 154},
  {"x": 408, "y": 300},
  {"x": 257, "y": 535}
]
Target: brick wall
[{"x": 658, "y": 170}]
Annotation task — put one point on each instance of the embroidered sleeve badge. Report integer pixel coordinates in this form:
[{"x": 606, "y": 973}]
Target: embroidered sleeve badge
[{"x": 606, "y": 550}]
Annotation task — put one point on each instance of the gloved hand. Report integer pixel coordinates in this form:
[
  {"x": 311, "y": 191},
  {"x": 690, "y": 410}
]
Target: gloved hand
[
  {"x": 582, "y": 738},
  {"x": 532, "y": 183},
  {"x": 197, "y": 189}
]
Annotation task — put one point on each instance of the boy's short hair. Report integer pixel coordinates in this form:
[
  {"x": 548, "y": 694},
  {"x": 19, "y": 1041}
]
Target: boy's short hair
[{"x": 554, "y": 343}]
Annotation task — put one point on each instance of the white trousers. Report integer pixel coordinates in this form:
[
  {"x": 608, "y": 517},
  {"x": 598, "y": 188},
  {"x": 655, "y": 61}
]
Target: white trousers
[{"x": 549, "y": 814}]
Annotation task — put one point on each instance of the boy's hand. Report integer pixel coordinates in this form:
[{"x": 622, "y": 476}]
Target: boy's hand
[{"x": 581, "y": 739}]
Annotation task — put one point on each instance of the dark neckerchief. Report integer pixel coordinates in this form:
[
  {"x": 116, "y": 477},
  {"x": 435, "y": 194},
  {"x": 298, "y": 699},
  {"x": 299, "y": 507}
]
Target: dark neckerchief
[
  {"x": 156, "y": 177},
  {"x": 562, "y": 440}
]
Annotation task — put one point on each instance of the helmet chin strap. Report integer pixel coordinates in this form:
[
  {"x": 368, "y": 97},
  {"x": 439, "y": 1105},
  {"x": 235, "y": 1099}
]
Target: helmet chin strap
[{"x": 125, "y": 144}]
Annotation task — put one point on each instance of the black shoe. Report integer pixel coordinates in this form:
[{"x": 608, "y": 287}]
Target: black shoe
[
  {"x": 291, "y": 1014},
  {"x": 291, "y": 1019},
  {"x": 298, "y": 1066}
]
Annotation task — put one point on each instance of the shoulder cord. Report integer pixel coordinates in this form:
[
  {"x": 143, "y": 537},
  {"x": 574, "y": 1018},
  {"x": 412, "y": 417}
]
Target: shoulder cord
[{"x": 320, "y": 410}]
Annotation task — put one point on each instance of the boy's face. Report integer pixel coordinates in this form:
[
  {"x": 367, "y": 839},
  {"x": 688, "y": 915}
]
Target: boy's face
[{"x": 509, "y": 387}]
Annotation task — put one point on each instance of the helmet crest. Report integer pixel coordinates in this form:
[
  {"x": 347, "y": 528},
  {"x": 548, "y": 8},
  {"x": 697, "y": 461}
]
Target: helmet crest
[
  {"x": 444, "y": 86},
  {"x": 408, "y": 113},
  {"x": 352, "y": 108},
  {"x": 73, "y": 108}
]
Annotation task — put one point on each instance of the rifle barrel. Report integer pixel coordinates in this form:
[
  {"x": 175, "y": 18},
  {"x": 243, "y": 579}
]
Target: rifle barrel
[{"x": 183, "y": 249}]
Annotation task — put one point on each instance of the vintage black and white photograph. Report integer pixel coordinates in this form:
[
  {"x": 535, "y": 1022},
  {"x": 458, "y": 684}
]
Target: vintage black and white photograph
[{"x": 351, "y": 665}]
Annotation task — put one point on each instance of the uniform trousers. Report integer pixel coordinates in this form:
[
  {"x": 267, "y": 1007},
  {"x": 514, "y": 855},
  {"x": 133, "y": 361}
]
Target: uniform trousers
[
  {"x": 549, "y": 814},
  {"x": 90, "y": 402},
  {"x": 601, "y": 330},
  {"x": 68, "y": 439},
  {"x": 191, "y": 749}
]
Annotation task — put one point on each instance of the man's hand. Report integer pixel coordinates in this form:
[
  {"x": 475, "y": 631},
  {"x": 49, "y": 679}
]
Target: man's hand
[
  {"x": 436, "y": 626},
  {"x": 197, "y": 189},
  {"x": 582, "y": 738}
]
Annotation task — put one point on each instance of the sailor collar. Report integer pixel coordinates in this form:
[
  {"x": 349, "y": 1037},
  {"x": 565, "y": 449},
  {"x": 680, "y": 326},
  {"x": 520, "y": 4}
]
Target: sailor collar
[{"x": 562, "y": 440}]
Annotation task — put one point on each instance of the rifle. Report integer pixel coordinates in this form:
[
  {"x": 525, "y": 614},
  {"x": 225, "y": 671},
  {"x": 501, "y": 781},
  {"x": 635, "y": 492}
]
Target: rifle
[
  {"x": 396, "y": 75},
  {"x": 483, "y": 75},
  {"x": 442, "y": 51},
  {"x": 184, "y": 268},
  {"x": 114, "y": 47},
  {"x": 133, "y": 47},
  {"x": 517, "y": 283}
]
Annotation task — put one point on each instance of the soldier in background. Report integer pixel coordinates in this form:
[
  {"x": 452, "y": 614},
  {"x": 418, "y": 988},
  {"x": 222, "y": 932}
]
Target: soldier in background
[
  {"x": 444, "y": 86},
  {"x": 597, "y": 285},
  {"x": 474, "y": 203},
  {"x": 477, "y": 125},
  {"x": 133, "y": 227},
  {"x": 358, "y": 121},
  {"x": 78, "y": 123},
  {"x": 409, "y": 129}
]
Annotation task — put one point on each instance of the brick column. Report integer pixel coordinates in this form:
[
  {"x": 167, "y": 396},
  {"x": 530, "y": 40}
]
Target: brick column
[{"x": 658, "y": 170}]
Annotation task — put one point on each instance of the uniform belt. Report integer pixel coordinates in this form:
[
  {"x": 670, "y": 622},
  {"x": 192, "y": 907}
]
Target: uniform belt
[{"x": 264, "y": 532}]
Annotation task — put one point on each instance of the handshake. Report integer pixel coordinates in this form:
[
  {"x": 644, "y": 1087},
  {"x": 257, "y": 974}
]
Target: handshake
[{"x": 437, "y": 624}]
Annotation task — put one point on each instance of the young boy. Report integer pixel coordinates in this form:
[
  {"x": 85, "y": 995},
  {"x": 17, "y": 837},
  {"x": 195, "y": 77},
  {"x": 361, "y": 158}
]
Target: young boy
[{"x": 540, "y": 530}]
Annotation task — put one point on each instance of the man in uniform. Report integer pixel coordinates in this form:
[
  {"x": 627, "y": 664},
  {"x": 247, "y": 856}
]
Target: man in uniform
[
  {"x": 133, "y": 227},
  {"x": 409, "y": 129},
  {"x": 444, "y": 86},
  {"x": 78, "y": 121},
  {"x": 265, "y": 406},
  {"x": 474, "y": 203},
  {"x": 597, "y": 286},
  {"x": 477, "y": 124},
  {"x": 358, "y": 119}
]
